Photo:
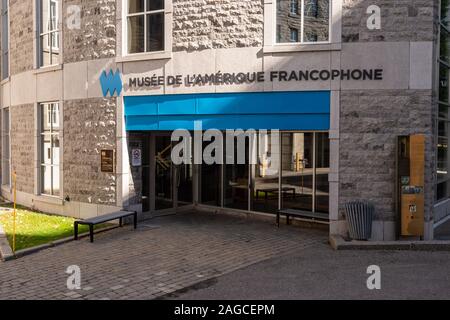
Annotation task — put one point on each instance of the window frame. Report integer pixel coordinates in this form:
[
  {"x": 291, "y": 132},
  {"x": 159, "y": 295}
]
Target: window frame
[
  {"x": 54, "y": 131},
  {"x": 301, "y": 31},
  {"x": 57, "y": 32},
  {"x": 167, "y": 14}
]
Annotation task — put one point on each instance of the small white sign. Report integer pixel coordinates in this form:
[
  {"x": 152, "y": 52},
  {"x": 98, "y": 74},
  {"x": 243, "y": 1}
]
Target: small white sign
[{"x": 136, "y": 157}]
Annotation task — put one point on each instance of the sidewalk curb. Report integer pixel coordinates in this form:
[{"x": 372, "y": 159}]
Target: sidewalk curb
[
  {"x": 339, "y": 244},
  {"x": 25, "y": 252},
  {"x": 6, "y": 253}
]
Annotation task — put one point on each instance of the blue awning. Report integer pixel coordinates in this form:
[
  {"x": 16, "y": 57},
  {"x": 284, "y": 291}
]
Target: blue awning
[{"x": 262, "y": 110}]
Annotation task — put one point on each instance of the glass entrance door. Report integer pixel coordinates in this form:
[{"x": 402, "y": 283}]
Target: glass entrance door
[
  {"x": 173, "y": 183},
  {"x": 237, "y": 175},
  {"x": 163, "y": 173}
]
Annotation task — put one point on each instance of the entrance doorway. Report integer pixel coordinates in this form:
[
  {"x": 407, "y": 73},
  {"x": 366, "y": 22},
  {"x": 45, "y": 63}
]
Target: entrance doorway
[{"x": 166, "y": 187}]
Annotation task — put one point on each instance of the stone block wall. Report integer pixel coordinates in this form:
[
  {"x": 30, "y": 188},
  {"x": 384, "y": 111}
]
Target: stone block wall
[
  {"x": 370, "y": 120},
  {"x": 209, "y": 24},
  {"x": 402, "y": 20},
  {"x": 22, "y": 146},
  {"x": 315, "y": 21},
  {"x": 97, "y": 37},
  {"x": 89, "y": 127},
  {"x": 21, "y": 54},
  {"x": 370, "y": 123}
]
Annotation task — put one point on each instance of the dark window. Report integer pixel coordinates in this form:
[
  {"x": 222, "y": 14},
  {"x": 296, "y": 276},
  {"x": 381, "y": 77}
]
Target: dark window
[{"x": 145, "y": 23}]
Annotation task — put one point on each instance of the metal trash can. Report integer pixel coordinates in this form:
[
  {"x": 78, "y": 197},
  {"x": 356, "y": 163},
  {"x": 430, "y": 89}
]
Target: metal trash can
[{"x": 359, "y": 216}]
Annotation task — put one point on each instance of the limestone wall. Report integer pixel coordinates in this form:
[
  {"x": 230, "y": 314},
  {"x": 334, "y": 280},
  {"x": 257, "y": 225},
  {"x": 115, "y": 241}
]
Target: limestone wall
[
  {"x": 89, "y": 127},
  {"x": 22, "y": 146},
  {"x": 97, "y": 37},
  {"x": 207, "y": 24},
  {"x": 21, "y": 54}
]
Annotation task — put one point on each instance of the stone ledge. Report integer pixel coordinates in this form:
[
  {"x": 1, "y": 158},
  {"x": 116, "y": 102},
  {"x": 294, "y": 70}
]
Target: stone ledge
[
  {"x": 5, "y": 250},
  {"x": 338, "y": 243}
]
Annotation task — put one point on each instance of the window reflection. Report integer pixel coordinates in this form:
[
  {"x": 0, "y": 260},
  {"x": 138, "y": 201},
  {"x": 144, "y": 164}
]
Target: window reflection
[
  {"x": 313, "y": 28},
  {"x": 236, "y": 195},
  {"x": 210, "y": 183},
  {"x": 300, "y": 159},
  {"x": 145, "y": 23},
  {"x": 49, "y": 34},
  {"x": 322, "y": 172},
  {"x": 297, "y": 171},
  {"x": 266, "y": 174}
]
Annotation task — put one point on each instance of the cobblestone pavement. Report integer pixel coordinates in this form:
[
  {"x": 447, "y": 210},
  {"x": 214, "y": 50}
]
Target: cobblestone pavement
[{"x": 163, "y": 256}]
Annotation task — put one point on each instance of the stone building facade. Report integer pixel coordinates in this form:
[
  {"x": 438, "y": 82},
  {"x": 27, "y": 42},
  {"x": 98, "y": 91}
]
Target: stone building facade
[{"x": 210, "y": 37}]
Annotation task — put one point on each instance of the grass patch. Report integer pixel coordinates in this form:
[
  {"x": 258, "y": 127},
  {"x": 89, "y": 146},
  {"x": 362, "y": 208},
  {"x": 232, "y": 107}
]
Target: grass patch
[{"x": 35, "y": 228}]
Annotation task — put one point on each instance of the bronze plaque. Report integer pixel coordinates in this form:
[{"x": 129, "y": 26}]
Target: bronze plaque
[{"x": 107, "y": 161}]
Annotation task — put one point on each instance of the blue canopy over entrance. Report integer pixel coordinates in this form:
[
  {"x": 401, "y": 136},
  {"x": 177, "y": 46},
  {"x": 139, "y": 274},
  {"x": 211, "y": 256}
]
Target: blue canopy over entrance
[{"x": 308, "y": 110}]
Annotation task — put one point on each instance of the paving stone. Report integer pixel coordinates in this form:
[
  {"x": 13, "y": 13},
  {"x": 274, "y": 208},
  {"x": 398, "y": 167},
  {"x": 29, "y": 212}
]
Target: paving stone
[{"x": 186, "y": 250}]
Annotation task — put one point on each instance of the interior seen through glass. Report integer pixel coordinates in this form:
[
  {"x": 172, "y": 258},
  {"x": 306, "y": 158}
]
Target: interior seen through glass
[{"x": 292, "y": 175}]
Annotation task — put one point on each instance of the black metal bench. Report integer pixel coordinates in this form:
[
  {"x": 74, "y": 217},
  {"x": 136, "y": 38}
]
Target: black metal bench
[
  {"x": 322, "y": 217},
  {"x": 284, "y": 190},
  {"x": 102, "y": 219}
]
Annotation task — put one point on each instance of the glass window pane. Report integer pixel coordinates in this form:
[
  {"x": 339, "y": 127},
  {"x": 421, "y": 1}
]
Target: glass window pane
[
  {"x": 55, "y": 48},
  {"x": 55, "y": 150},
  {"x": 45, "y": 17},
  {"x": 6, "y": 173},
  {"x": 155, "y": 5},
  {"x": 236, "y": 191},
  {"x": 442, "y": 192},
  {"x": 266, "y": 185},
  {"x": 322, "y": 172},
  {"x": 136, "y": 34},
  {"x": 46, "y": 180},
  {"x": 5, "y": 40},
  {"x": 55, "y": 116},
  {"x": 135, "y": 6},
  {"x": 53, "y": 15},
  {"x": 286, "y": 21},
  {"x": 6, "y": 147},
  {"x": 445, "y": 45},
  {"x": 317, "y": 18},
  {"x": 45, "y": 52},
  {"x": 443, "y": 83},
  {"x": 445, "y": 12},
  {"x": 294, "y": 35},
  {"x": 297, "y": 170},
  {"x": 46, "y": 117},
  {"x": 442, "y": 162},
  {"x": 294, "y": 7},
  {"x": 50, "y": 148},
  {"x": 163, "y": 173},
  {"x": 55, "y": 180},
  {"x": 443, "y": 111},
  {"x": 155, "y": 32},
  {"x": 210, "y": 185},
  {"x": 46, "y": 149},
  {"x": 49, "y": 16},
  {"x": 443, "y": 129}
]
